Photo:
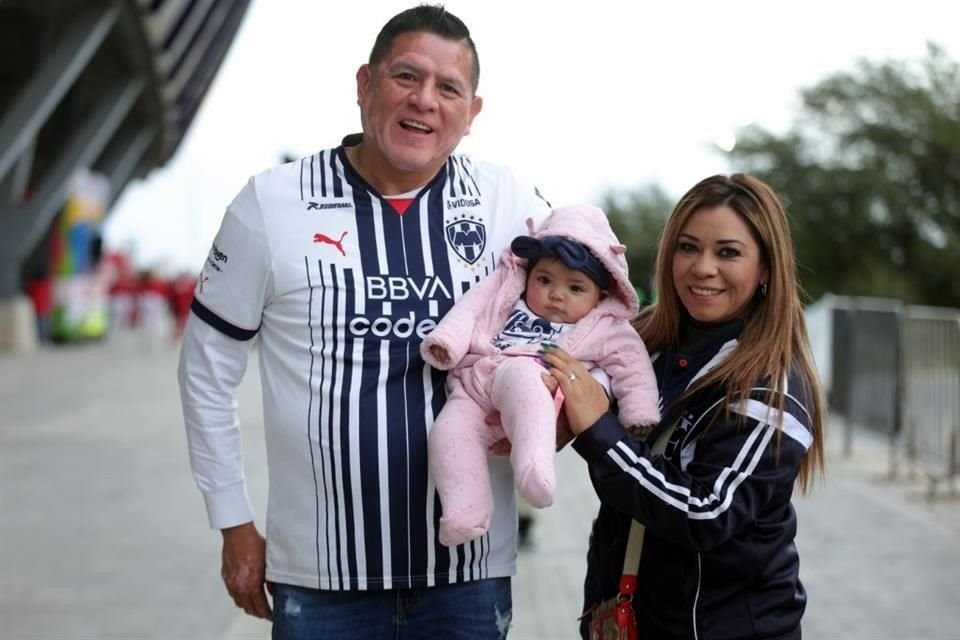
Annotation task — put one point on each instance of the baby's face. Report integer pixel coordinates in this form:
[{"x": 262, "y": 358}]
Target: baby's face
[{"x": 558, "y": 293}]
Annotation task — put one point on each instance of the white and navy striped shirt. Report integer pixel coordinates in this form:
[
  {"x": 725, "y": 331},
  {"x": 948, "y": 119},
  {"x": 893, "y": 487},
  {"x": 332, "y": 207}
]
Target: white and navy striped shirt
[{"x": 341, "y": 289}]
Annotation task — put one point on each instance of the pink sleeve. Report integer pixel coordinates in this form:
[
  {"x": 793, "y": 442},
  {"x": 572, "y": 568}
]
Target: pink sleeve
[
  {"x": 634, "y": 384},
  {"x": 455, "y": 331}
]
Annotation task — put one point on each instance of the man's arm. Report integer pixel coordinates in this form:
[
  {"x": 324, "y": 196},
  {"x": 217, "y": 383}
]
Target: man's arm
[{"x": 211, "y": 367}]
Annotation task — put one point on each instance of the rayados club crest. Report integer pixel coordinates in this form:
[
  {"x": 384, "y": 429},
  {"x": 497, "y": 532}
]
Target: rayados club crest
[{"x": 468, "y": 238}]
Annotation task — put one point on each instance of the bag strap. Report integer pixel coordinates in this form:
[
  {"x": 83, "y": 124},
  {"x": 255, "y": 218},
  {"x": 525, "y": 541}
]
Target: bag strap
[{"x": 631, "y": 559}]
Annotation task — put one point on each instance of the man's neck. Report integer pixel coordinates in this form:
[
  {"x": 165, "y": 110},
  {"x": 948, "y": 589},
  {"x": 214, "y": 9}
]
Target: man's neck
[{"x": 383, "y": 177}]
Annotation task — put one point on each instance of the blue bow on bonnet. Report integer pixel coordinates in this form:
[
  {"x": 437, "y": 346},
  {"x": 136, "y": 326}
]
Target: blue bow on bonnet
[{"x": 572, "y": 253}]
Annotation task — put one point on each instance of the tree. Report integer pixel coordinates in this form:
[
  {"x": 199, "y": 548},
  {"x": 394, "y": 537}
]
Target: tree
[
  {"x": 870, "y": 172},
  {"x": 637, "y": 218}
]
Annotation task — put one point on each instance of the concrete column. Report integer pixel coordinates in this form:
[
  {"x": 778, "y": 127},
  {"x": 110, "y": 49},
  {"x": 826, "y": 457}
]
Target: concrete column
[{"x": 18, "y": 325}]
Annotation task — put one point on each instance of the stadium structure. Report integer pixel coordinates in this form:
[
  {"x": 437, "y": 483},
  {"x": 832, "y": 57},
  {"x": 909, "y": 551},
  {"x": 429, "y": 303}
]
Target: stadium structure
[{"x": 107, "y": 86}]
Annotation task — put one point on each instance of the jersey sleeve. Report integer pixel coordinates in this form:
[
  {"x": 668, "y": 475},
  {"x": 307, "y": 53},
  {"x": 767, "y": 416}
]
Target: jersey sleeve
[
  {"x": 531, "y": 204},
  {"x": 634, "y": 383},
  {"x": 455, "y": 332},
  {"x": 231, "y": 292},
  {"x": 234, "y": 284},
  {"x": 742, "y": 463},
  {"x": 210, "y": 370}
]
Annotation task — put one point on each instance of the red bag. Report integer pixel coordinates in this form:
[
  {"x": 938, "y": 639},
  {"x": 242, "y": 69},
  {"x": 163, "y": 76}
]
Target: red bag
[{"x": 613, "y": 619}]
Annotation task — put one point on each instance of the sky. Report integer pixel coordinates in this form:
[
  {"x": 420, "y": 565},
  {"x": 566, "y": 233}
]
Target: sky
[{"x": 579, "y": 97}]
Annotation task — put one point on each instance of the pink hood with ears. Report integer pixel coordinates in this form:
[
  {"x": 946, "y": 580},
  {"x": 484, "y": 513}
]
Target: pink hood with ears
[{"x": 589, "y": 226}]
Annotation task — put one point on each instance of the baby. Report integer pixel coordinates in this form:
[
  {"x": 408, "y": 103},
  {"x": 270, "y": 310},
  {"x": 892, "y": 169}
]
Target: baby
[{"x": 566, "y": 283}]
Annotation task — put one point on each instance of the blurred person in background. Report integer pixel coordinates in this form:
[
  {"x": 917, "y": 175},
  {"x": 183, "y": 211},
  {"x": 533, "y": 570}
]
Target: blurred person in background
[
  {"x": 710, "y": 488},
  {"x": 153, "y": 303},
  {"x": 181, "y": 296},
  {"x": 340, "y": 263},
  {"x": 123, "y": 285}
]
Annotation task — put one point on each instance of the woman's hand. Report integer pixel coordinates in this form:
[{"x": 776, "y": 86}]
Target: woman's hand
[{"x": 586, "y": 400}]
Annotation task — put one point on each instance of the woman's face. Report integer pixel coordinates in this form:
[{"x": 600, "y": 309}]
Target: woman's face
[{"x": 717, "y": 265}]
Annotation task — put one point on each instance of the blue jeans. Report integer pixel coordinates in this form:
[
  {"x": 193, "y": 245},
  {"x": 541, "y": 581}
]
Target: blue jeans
[{"x": 478, "y": 610}]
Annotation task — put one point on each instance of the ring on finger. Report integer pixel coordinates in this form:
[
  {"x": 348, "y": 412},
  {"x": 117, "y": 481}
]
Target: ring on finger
[{"x": 572, "y": 376}]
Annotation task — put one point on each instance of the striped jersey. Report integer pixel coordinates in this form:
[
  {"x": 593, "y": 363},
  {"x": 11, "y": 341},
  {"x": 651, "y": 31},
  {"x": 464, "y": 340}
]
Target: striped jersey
[{"x": 340, "y": 289}]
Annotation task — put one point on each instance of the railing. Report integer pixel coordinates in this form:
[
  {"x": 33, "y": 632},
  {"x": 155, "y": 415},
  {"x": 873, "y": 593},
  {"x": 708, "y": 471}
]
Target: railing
[
  {"x": 894, "y": 369},
  {"x": 931, "y": 390}
]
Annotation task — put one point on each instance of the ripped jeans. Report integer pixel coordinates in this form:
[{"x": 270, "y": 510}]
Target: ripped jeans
[{"x": 478, "y": 610}]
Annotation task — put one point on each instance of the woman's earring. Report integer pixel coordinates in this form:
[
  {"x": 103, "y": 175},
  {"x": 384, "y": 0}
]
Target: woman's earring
[{"x": 763, "y": 289}]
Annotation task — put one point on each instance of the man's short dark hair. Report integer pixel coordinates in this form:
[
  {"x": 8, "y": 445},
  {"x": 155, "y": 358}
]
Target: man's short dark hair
[{"x": 425, "y": 18}]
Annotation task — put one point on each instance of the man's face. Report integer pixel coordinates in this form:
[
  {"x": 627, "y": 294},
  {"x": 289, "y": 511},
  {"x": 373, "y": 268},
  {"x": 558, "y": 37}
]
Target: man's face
[{"x": 416, "y": 105}]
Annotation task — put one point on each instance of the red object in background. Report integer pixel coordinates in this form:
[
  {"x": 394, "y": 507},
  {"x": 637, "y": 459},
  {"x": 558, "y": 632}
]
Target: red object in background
[
  {"x": 41, "y": 293},
  {"x": 181, "y": 296},
  {"x": 124, "y": 287}
]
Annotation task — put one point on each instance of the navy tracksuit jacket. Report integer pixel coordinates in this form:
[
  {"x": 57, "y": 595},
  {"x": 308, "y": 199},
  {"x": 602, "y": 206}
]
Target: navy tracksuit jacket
[{"x": 719, "y": 560}]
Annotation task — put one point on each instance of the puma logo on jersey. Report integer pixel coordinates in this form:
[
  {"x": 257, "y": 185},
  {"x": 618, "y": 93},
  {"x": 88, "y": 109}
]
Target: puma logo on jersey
[{"x": 324, "y": 239}]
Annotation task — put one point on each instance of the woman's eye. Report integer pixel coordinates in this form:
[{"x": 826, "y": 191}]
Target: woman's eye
[
  {"x": 728, "y": 252},
  {"x": 687, "y": 247}
]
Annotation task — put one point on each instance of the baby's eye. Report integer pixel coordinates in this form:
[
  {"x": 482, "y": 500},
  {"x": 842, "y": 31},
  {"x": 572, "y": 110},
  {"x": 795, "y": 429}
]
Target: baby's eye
[
  {"x": 543, "y": 279},
  {"x": 577, "y": 289}
]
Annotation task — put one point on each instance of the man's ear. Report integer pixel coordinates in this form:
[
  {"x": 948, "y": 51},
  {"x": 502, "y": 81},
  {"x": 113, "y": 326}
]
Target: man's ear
[
  {"x": 363, "y": 82},
  {"x": 475, "y": 108}
]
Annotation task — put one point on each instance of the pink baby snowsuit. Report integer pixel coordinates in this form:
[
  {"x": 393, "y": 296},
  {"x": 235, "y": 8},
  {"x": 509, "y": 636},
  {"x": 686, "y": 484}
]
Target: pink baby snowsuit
[{"x": 485, "y": 379}]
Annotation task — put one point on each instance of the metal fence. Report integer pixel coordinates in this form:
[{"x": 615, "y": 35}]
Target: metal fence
[{"x": 894, "y": 369}]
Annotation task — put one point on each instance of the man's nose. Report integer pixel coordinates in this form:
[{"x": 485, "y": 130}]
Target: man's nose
[{"x": 424, "y": 97}]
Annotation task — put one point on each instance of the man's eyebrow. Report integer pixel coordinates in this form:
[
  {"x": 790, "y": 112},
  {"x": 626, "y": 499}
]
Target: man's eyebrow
[
  {"x": 402, "y": 65},
  {"x": 453, "y": 80}
]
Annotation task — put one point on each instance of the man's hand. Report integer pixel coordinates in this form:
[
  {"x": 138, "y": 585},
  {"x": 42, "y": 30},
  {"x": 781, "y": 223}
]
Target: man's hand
[
  {"x": 244, "y": 569},
  {"x": 440, "y": 354}
]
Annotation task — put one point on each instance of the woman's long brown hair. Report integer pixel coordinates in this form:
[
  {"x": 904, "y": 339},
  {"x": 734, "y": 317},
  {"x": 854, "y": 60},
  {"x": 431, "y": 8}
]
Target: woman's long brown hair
[{"x": 774, "y": 341}]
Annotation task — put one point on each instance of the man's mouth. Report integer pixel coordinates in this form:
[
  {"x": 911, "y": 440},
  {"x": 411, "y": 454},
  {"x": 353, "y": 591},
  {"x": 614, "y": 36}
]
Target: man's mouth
[{"x": 413, "y": 125}]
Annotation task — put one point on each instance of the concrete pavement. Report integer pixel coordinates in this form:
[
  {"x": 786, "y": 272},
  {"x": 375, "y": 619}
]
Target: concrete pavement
[{"x": 103, "y": 534}]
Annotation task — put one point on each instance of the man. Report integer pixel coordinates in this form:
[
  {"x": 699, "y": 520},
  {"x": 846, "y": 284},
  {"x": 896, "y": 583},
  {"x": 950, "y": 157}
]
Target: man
[{"x": 341, "y": 263}]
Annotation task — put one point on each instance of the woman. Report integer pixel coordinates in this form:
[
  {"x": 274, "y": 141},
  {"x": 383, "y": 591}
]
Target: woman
[{"x": 743, "y": 421}]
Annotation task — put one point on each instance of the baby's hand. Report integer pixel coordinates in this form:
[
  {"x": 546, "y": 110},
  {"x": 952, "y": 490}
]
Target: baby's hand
[
  {"x": 640, "y": 431},
  {"x": 440, "y": 354}
]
